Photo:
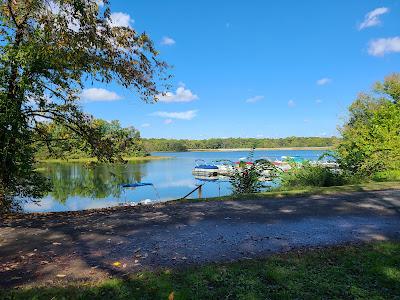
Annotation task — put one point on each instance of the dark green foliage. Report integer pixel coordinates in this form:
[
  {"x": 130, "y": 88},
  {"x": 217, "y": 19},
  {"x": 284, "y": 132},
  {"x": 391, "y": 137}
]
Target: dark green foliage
[
  {"x": 47, "y": 50},
  {"x": 237, "y": 143},
  {"x": 363, "y": 272},
  {"x": 371, "y": 136},
  {"x": 62, "y": 143},
  {"x": 308, "y": 175},
  {"x": 248, "y": 178},
  {"x": 165, "y": 145}
]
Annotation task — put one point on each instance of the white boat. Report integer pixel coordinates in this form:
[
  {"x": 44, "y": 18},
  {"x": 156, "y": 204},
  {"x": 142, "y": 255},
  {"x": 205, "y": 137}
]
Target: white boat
[{"x": 204, "y": 169}]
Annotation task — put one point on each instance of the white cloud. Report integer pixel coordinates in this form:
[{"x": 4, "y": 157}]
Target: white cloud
[
  {"x": 318, "y": 101},
  {"x": 168, "y": 121},
  {"x": 380, "y": 47},
  {"x": 96, "y": 94},
  {"x": 119, "y": 19},
  {"x": 184, "y": 115},
  {"x": 324, "y": 81},
  {"x": 144, "y": 125},
  {"x": 254, "y": 99},
  {"x": 168, "y": 41},
  {"x": 372, "y": 18},
  {"x": 291, "y": 103},
  {"x": 181, "y": 95}
]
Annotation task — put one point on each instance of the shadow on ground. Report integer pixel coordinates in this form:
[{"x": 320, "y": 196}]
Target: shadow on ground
[{"x": 92, "y": 245}]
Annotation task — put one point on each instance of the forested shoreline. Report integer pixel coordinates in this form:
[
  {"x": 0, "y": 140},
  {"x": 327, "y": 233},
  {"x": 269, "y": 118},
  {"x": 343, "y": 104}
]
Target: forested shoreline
[
  {"x": 129, "y": 143},
  {"x": 154, "y": 144}
]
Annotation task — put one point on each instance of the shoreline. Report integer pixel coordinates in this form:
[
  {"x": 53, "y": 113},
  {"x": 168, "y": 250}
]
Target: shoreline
[
  {"x": 269, "y": 195},
  {"x": 93, "y": 159},
  {"x": 260, "y": 149}
]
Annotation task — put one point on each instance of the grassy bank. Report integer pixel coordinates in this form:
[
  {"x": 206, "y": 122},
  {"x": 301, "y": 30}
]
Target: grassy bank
[
  {"x": 350, "y": 272},
  {"x": 308, "y": 191},
  {"x": 93, "y": 159}
]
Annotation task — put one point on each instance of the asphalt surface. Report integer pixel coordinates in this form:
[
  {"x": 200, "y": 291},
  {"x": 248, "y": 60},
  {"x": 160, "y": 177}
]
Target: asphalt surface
[{"x": 92, "y": 245}]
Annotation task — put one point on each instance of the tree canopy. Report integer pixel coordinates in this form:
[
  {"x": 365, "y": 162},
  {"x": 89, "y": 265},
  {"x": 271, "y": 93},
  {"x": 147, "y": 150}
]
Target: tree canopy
[
  {"x": 371, "y": 136},
  {"x": 48, "y": 50},
  {"x": 126, "y": 141}
]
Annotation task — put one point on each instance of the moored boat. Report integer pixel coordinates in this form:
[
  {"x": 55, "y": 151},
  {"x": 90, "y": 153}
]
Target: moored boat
[{"x": 204, "y": 169}]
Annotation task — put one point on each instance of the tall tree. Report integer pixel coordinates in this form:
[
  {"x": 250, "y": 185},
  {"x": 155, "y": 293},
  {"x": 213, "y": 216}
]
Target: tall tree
[
  {"x": 48, "y": 49},
  {"x": 371, "y": 136}
]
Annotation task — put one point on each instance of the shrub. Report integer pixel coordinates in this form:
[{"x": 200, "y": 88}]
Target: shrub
[
  {"x": 247, "y": 179},
  {"x": 391, "y": 175},
  {"x": 314, "y": 175}
]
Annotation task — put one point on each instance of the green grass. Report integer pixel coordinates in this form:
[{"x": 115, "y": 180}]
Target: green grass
[
  {"x": 93, "y": 159},
  {"x": 391, "y": 175},
  {"x": 307, "y": 191},
  {"x": 352, "y": 272}
]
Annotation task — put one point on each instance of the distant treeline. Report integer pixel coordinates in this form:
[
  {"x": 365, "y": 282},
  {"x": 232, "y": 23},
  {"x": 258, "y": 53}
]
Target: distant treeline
[
  {"x": 127, "y": 142},
  {"x": 238, "y": 143}
]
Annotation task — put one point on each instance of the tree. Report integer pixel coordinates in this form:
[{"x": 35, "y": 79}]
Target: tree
[
  {"x": 371, "y": 136},
  {"x": 66, "y": 144},
  {"x": 48, "y": 50}
]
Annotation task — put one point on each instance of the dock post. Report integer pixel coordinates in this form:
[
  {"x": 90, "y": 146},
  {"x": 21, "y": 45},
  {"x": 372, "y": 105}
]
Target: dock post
[{"x": 200, "y": 191}]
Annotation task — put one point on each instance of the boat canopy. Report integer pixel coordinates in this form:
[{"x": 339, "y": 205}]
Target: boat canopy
[{"x": 135, "y": 184}]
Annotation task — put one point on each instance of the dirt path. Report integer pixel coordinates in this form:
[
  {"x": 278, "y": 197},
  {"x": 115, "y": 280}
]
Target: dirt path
[{"x": 56, "y": 247}]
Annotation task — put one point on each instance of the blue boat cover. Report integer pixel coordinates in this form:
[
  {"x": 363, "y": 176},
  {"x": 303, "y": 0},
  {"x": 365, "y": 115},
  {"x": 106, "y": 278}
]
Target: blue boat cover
[
  {"x": 211, "y": 167},
  {"x": 136, "y": 184}
]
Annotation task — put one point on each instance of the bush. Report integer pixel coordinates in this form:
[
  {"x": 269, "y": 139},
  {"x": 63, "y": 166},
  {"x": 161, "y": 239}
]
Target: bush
[
  {"x": 392, "y": 175},
  {"x": 248, "y": 179},
  {"x": 306, "y": 175}
]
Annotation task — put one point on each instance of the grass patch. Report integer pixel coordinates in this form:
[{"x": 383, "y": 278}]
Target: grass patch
[
  {"x": 93, "y": 159},
  {"x": 390, "y": 175},
  {"x": 352, "y": 272},
  {"x": 307, "y": 191}
]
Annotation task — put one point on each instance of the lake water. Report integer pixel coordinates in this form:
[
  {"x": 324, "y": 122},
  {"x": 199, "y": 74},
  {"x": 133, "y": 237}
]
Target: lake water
[{"x": 77, "y": 187}]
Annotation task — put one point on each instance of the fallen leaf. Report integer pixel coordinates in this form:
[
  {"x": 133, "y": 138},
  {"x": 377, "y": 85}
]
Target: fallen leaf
[
  {"x": 117, "y": 264},
  {"x": 61, "y": 275}
]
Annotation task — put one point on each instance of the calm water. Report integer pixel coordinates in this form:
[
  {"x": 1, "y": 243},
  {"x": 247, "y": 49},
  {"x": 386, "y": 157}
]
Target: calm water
[{"x": 77, "y": 187}]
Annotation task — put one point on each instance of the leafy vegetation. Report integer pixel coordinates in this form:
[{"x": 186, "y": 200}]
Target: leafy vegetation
[
  {"x": 246, "y": 179},
  {"x": 47, "y": 50},
  {"x": 238, "y": 143},
  {"x": 308, "y": 174},
  {"x": 63, "y": 143},
  {"x": 352, "y": 272},
  {"x": 370, "y": 144},
  {"x": 390, "y": 175},
  {"x": 371, "y": 136}
]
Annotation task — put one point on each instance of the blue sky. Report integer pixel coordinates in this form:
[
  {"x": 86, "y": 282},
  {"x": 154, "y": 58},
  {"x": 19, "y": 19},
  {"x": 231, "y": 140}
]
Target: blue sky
[{"x": 255, "y": 68}]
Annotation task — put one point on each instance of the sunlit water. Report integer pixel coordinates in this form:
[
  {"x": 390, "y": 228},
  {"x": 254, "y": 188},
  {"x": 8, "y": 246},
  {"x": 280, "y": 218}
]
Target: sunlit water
[{"x": 78, "y": 187}]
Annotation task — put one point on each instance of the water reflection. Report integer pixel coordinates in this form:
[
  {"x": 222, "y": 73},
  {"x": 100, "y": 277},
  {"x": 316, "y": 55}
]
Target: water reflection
[
  {"x": 100, "y": 181},
  {"x": 77, "y": 186}
]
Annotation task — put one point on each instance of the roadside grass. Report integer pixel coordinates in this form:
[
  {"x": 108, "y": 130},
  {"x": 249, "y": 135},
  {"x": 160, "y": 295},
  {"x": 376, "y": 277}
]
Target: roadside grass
[
  {"x": 306, "y": 191},
  {"x": 370, "y": 271},
  {"x": 93, "y": 159}
]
